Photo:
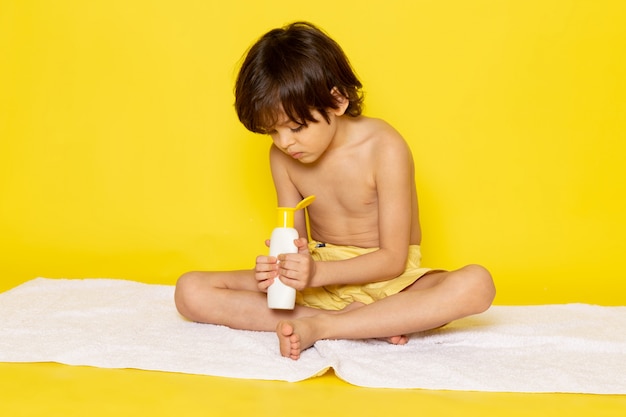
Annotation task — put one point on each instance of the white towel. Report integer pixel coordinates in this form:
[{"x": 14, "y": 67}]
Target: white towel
[
  {"x": 575, "y": 348},
  {"x": 124, "y": 324},
  {"x": 108, "y": 323}
]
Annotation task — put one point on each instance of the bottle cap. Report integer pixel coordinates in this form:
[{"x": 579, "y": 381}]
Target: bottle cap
[{"x": 286, "y": 214}]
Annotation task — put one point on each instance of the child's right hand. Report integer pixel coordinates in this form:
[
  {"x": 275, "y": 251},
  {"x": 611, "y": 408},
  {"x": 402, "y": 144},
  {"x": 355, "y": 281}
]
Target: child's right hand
[{"x": 265, "y": 271}]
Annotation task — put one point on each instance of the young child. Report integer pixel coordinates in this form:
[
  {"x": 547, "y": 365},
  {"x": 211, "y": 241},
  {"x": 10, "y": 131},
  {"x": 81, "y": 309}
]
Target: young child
[{"x": 360, "y": 276}]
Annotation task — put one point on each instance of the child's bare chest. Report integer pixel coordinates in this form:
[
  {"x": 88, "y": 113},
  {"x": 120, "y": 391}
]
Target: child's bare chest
[{"x": 344, "y": 184}]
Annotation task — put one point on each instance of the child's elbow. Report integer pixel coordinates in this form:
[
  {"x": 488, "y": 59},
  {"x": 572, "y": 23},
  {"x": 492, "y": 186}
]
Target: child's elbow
[{"x": 396, "y": 266}]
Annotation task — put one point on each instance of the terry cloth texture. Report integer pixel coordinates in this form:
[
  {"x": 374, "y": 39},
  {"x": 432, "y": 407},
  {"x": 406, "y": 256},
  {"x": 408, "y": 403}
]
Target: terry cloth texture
[{"x": 108, "y": 323}]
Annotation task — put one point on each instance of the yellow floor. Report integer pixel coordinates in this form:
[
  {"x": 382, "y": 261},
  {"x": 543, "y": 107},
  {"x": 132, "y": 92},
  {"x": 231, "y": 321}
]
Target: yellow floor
[{"x": 59, "y": 390}]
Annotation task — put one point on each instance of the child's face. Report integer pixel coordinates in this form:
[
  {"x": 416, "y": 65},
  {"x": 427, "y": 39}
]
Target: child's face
[{"x": 304, "y": 143}]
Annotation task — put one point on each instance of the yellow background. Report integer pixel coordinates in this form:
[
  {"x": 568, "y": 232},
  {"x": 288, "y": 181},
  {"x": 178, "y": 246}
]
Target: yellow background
[{"x": 121, "y": 156}]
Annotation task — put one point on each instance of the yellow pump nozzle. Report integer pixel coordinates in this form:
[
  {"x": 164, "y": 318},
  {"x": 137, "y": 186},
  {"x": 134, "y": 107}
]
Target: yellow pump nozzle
[
  {"x": 286, "y": 214},
  {"x": 285, "y": 217}
]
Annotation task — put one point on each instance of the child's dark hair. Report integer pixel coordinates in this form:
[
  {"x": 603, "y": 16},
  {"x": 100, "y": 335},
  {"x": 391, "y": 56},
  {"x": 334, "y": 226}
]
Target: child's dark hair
[{"x": 294, "y": 69}]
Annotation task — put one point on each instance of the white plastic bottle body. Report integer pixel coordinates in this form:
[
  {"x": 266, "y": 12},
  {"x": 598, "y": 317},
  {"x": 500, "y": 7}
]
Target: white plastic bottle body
[{"x": 279, "y": 295}]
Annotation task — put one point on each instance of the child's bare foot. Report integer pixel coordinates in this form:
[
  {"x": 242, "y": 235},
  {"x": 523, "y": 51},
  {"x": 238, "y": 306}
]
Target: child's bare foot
[
  {"x": 396, "y": 340},
  {"x": 293, "y": 338}
]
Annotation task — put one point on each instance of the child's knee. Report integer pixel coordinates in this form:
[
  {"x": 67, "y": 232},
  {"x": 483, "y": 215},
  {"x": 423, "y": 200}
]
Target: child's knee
[
  {"x": 183, "y": 283},
  {"x": 480, "y": 286},
  {"x": 186, "y": 287}
]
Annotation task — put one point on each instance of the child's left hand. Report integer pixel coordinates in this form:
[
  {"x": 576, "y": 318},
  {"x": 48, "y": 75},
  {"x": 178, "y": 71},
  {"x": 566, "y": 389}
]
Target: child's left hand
[{"x": 297, "y": 269}]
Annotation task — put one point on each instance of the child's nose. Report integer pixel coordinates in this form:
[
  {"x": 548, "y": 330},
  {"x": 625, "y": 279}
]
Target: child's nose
[{"x": 284, "y": 140}]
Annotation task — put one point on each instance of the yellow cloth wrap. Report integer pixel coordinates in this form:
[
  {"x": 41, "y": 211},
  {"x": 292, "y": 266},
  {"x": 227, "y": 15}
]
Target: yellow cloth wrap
[{"x": 336, "y": 297}]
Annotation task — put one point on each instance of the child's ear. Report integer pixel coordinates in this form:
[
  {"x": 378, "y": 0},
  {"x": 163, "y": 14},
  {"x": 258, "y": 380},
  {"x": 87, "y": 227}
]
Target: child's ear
[{"x": 341, "y": 101}]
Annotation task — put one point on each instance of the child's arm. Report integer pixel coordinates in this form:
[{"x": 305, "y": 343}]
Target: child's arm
[
  {"x": 286, "y": 192},
  {"x": 393, "y": 172},
  {"x": 393, "y": 168}
]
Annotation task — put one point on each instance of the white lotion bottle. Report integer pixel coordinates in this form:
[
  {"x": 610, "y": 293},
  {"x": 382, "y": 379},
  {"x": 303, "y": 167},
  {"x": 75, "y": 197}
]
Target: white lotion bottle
[{"x": 279, "y": 295}]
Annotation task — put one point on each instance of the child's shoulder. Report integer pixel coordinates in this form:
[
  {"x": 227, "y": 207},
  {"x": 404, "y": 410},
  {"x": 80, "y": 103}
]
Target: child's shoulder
[
  {"x": 376, "y": 128},
  {"x": 379, "y": 133},
  {"x": 373, "y": 123}
]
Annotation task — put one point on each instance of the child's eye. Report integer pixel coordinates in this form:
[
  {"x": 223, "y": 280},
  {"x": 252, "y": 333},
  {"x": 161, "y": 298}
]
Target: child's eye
[{"x": 297, "y": 129}]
